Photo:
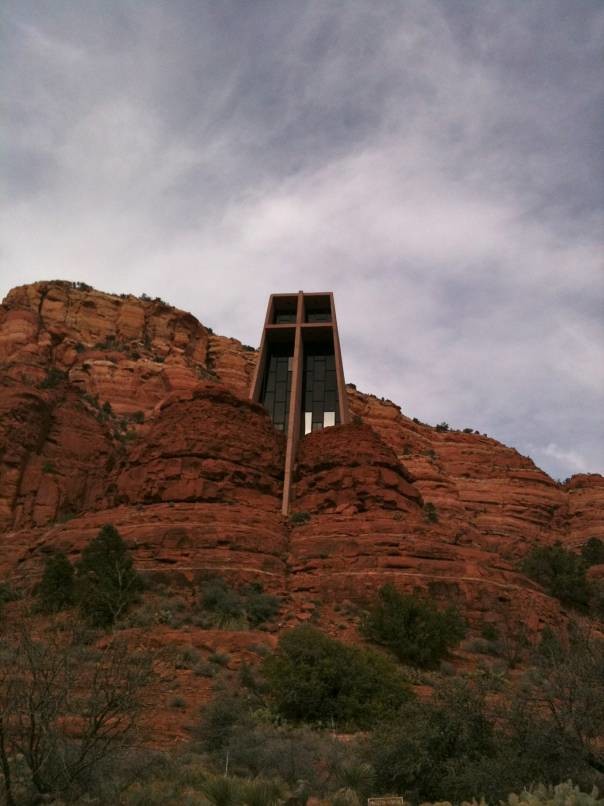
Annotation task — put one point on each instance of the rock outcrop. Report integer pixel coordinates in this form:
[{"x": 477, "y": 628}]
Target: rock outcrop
[{"x": 125, "y": 410}]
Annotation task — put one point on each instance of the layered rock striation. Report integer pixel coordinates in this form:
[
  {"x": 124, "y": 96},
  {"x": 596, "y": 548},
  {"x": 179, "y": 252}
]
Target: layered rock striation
[{"x": 125, "y": 410}]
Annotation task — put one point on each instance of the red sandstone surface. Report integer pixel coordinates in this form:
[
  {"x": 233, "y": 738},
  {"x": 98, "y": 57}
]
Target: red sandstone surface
[{"x": 126, "y": 410}]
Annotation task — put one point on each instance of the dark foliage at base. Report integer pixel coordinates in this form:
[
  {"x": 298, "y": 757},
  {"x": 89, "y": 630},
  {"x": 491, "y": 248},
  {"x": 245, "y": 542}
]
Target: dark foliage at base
[
  {"x": 412, "y": 627},
  {"x": 563, "y": 574},
  {"x": 316, "y": 679}
]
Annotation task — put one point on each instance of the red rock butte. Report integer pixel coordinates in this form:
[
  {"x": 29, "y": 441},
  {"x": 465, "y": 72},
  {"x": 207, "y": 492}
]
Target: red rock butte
[{"x": 125, "y": 410}]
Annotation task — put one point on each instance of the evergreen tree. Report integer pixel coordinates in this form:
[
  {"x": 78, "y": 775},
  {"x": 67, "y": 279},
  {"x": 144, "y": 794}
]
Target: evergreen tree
[
  {"x": 106, "y": 582},
  {"x": 56, "y": 589}
]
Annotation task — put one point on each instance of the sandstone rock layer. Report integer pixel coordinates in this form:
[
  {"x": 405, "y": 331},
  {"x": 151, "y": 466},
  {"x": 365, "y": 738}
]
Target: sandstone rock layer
[{"x": 126, "y": 410}]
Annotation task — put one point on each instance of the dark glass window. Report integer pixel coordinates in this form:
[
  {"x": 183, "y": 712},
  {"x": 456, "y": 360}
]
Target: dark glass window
[
  {"x": 319, "y": 388},
  {"x": 285, "y": 318},
  {"x": 318, "y": 316},
  {"x": 276, "y": 389}
]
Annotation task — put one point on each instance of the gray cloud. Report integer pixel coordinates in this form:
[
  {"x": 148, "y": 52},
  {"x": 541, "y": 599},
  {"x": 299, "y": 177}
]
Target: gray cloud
[{"x": 437, "y": 165}]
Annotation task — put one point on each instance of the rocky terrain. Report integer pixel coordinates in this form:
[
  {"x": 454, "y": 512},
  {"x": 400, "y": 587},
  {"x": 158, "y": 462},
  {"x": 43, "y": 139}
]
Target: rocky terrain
[{"x": 125, "y": 410}]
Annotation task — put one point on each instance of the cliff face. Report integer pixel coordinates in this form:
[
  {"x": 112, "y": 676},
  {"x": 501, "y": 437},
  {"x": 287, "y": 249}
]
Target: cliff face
[{"x": 117, "y": 409}]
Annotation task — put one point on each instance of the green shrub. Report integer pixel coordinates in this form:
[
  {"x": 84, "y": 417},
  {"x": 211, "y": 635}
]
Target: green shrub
[
  {"x": 227, "y": 608},
  {"x": 187, "y": 657},
  {"x": 56, "y": 589},
  {"x": 179, "y": 703},
  {"x": 219, "y": 658},
  {"x": 314, "y": 678},
  {"x": 430, "y": 513},
  {"x": 560, "y": 572},
  {"x": 418, "y": 754},
  {"x": 565, "y": 794},
  {"x": 596, "y": 599},
  {"x": 298, "y": 518},
  {"x": 236, "y": 728},
  {"x": 221, "y": 603},
  {"x": 261, "y": 792},
  {"x": 53, "y": 378},
  {"x": 412, "y": 627},
  {"x": 259, "y": 607},
  {"x": 490, "y": 632},
  {"x": 593, "y": 552},
  {"x": 442, "y": 426},
  {"x": 7, "y": 593},
  {"x": 106, "y": 582}
]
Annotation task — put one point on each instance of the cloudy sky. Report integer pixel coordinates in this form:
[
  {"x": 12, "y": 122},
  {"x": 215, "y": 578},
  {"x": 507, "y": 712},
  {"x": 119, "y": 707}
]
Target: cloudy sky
[{"x": 438, "y": 165}]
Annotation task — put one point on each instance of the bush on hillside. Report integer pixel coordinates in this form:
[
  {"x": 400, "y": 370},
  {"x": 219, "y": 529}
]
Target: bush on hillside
[
  {"x": 593, "y": 552},
  {"x": 418, "y": 753},
  {"x": 227, "y": 608},
  {"x": 465, "y": 743},
  {"x": 56, "y": 589},
  {"x": 235, "y": 726},
  {"x": 317, "y": 679},
  {"x": 412, "y": 627},
  {"x": 561, "y": 572},
  {"x": 106, "y": 582}
]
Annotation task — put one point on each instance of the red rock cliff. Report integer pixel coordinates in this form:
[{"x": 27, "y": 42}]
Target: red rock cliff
[{"x": 126, "y": 410}]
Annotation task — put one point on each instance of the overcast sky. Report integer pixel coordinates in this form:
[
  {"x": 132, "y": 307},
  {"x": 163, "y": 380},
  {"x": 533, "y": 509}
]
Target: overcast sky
[{"x": 438, "y": 165}]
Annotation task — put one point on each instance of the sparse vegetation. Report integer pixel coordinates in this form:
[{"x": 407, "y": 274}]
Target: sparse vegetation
[
  {"x": 442, "y": 426},
  {"x": 46, "y": 688}
]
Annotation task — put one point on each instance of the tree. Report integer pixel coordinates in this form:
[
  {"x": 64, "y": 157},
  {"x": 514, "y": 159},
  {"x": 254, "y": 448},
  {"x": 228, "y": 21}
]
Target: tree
[
  {"x": 415, "y": 753},
  {"x": 106, "y": 582},
  {"x": 56, "y": 589},
  {"x": 567, "y": 683},
  {"x": 561, "y": 572},
  {"x": 412, "y": 627},
  {"x": 314, "y": 678},
  {"x": 593, "y": 551},
  {"x": 64, "y": 710},
  {"x": 484, "y": 738}
]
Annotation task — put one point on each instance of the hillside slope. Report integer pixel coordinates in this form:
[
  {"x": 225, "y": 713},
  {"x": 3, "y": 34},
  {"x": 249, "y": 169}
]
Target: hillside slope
[{"x": 126, "y": 410}]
